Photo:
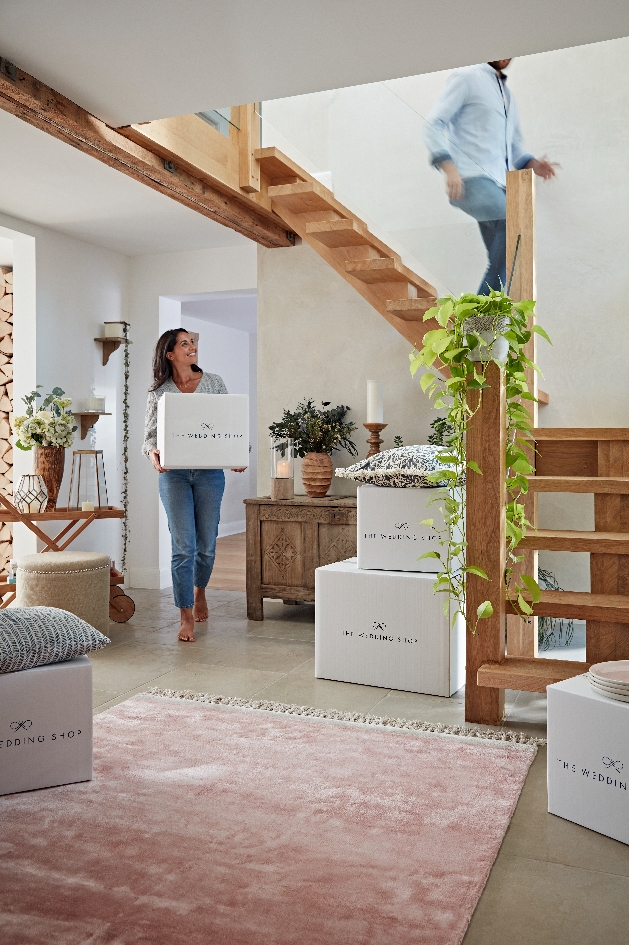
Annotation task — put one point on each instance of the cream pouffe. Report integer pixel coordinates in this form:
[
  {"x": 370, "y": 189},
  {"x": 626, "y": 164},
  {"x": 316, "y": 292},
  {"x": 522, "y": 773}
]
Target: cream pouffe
[{"x": 76, "y": 581}]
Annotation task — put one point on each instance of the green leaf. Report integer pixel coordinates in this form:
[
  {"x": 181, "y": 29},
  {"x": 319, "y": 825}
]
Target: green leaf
[
  {"x": 484, "y": 610},
  {"x": 426, "y": 380},
  {"x": 21, "y": 446},
  {"x": 472, "y": 569},
  {"x": 474, "y": 467},
  {"x": 533, "y": 587},
  {"x": 431, "y": 313},
  {"x": 427, "y": 521},
  {"x": 524, "y": 607},
  {"x": 540, "y": 331},
  {"x": 430, "y": 554}
]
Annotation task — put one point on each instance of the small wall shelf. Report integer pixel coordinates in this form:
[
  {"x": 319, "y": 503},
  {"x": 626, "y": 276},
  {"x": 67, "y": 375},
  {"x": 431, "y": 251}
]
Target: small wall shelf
[
  {"x": 89, "y": 418},
  {"x": 110, "y": 345}
]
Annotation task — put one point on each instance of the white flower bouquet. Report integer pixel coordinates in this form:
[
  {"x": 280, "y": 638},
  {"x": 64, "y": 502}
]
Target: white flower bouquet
[{"x": 52, "y": 424}]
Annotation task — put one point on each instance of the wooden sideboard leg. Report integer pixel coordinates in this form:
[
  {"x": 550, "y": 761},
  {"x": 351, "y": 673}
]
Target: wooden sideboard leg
[{"x": 255, "y": 609}]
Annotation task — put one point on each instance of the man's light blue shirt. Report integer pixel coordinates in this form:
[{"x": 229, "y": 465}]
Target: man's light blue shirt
[{"x": 475, "y": 124}]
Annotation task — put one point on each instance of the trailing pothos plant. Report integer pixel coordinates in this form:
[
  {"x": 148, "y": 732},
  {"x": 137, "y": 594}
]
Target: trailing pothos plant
[{"x": 452, "y": 342}]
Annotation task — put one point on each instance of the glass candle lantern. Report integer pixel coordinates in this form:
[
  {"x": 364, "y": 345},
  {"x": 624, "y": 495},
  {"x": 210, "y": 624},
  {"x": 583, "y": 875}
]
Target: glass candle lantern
[
  {"x": 87, "y": 480},
  {"x": 282, "y": 469}
]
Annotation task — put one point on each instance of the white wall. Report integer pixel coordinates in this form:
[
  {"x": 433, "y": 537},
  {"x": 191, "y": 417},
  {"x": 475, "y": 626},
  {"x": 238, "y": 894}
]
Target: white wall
[
  {"x": 574, "y": 107},
  {"x": 64, "y": 290},
  {"x": 171, "y": 274},
  {"x": 318, "y": 338}
]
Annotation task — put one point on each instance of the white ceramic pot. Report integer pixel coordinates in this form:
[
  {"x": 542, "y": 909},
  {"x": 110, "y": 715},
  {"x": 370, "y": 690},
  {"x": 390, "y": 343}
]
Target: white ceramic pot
[{"x": 492, "y": 344}]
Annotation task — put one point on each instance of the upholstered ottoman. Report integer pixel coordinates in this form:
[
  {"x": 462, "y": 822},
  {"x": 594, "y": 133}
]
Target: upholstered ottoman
[{"x": 77, "y": 581}]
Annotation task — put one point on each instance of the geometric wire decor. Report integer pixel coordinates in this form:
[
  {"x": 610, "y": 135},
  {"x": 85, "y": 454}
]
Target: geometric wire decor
[{"x": 31, "y": 494}]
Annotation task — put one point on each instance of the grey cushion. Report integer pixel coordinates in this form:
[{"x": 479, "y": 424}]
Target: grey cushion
[
  {"x": 404, "y": 468},
  {"x": 36, "y": 636}
]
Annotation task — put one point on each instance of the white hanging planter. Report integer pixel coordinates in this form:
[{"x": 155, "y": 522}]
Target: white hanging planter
[{"x": 492, "y": 344}]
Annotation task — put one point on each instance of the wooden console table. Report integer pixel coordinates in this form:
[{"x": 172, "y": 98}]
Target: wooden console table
[
  {"x": 77, "y": 521},
  {"x": 287, "y": 540}
]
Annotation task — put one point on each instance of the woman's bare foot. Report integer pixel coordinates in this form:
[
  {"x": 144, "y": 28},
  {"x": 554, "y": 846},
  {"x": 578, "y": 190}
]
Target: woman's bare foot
[
  {"x": 200, "y": 605},
  {"x": 186, "y": 631}
]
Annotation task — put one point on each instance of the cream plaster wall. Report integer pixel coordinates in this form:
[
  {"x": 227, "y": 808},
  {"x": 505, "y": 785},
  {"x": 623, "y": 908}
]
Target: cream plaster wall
[{"x": 318, "y": 338}]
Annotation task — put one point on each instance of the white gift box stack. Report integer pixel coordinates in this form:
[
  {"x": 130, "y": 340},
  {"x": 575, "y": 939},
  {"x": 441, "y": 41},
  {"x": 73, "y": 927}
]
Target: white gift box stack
[
  {"x": 377, "y": 620},
  {"x": 203, "y": 431},
  {"x": 588, "y": 757},
  {"x": 46, "y": 726}
]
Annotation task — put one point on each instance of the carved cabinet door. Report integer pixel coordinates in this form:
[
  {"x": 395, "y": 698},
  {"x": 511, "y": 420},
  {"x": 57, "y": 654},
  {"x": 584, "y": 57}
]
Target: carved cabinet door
[
  {"x": 336, "y": 543},
  {"x": 282, "y": 554}
]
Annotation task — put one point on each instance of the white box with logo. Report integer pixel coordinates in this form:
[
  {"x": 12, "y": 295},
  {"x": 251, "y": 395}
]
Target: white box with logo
[
  {"x": 588, "y": 758},
  {"x": 386, "y": 629},
  {"x": 390, "y": 537},
  {"x": 203, "y": 431},
  {"x": 46, "y": 726}
]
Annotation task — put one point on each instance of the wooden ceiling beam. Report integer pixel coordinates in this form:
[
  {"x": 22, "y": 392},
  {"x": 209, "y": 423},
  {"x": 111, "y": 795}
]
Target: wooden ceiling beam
[{"x": 27, "y": 98}]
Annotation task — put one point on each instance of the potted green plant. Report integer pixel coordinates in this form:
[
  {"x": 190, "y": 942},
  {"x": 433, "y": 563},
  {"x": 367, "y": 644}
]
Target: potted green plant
[
  {"x": 472, "y": 331},
  {"x": 47, "y": 429},
  {"x": 316, "y": 433}
]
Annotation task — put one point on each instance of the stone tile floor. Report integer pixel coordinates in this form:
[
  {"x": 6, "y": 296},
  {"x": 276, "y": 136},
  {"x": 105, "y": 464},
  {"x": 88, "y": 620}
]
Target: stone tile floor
[{"x": 552, "y": 883}]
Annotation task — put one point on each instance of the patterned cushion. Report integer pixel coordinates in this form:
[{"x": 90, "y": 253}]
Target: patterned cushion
[
  {"x": 35, "y": 636},
  {"x": 402, "y": 468}
]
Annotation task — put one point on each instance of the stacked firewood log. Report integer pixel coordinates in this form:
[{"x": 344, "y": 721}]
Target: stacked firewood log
[{"x": 6, "y": 407}]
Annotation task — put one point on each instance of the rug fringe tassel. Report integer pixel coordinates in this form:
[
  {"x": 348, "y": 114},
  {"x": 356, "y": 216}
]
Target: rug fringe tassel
[{"x": 514, "y": 738}]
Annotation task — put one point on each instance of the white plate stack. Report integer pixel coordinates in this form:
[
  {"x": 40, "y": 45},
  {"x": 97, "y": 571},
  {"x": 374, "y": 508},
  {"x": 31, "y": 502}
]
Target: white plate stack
[{"x": 611, "y": 679}]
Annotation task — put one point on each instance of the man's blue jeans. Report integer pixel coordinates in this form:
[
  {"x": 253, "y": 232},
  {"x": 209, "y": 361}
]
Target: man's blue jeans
[
  {"x": 192, "y": 500},
  {"x": 486, "y": 202}
]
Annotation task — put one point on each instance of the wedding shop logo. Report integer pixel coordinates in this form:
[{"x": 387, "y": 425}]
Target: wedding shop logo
[
  {"x": 401, "y": 525},
  {"x": 401, "y": 534},
  {"x": 22, "y": 738},
  {"x": 208, "y": 432},
  {"x": 379, "y": 632},
  {"x": 611, "y": 765}
]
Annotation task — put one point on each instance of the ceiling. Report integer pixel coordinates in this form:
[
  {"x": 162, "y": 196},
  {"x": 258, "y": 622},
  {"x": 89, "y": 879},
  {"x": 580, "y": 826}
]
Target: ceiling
[
  {"x": 231, "y": 309},
  {"x": 137, "y": 60},
  {"x": 45, "y": 181}
]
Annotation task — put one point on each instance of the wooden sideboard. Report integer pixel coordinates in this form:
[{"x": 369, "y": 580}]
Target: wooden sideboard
[{"x": 288, "y": 539}]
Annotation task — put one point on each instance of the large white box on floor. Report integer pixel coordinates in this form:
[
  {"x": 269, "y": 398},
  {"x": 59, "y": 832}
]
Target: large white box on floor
[
  {"x": 386, "y": 629},
  {"x": 588, "y": 758},
  {"x": 46, "y": 726},
  {"x": 203, "y": 431},
  {"x": 390, "y": 536}
]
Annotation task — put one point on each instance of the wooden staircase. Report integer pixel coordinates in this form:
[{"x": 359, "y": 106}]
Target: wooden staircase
[{"x": 345, "y": 242}]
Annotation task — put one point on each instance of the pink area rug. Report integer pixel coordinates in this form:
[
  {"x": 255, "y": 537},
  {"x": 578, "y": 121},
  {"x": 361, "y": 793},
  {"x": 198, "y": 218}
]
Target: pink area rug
[{"x": 208, "y": 825}]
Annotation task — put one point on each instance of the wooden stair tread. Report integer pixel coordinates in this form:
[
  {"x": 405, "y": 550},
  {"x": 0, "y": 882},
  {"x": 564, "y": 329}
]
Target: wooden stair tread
[
  {"x": 340, "y": 233},
  {"x": 579, "y": 605},
  {"x": 386, "y": 270},
  {"x": 547, "y": 539},
  {"x": 410, "y": 310},
  {"x": 277, "y": 166},
  {"x": 581, "y": 433},
  {"x": 528, "y": 675},
  {"x": 304, "y": 197},
  {"x": 596, "y": 484}
]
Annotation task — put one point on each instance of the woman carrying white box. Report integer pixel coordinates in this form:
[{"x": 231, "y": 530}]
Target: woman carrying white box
[{"x": 191, "y": 497}]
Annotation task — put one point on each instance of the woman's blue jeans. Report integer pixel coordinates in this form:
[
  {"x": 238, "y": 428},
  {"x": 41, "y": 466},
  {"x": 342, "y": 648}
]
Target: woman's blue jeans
[
  {"x": 192, "y": 500},
  {"x": 485, "y": 201}
]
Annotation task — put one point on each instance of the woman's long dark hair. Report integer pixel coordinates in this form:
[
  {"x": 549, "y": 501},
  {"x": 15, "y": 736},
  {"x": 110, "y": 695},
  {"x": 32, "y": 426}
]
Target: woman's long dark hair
[{"x": 162, "y": 366}]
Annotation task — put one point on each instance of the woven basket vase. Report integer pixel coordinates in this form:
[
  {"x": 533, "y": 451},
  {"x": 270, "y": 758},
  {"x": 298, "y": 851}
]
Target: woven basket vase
[{"x": 316, "y": 474}]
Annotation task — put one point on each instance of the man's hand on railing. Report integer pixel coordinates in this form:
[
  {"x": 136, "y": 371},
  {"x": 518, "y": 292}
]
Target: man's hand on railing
[{"x": 543, "y": 168}]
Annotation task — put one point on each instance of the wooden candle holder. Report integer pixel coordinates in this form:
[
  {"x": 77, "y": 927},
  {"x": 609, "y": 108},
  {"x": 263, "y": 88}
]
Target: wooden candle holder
[
  {"x": 374, "y": 440},
  {"x": 282, "y": 489}
]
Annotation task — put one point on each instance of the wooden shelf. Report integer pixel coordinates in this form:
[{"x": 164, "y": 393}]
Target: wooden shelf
[
  {"x": 528, "y": 675},
  {"x": 62, "y": 514},
  {"x": 599, "y": 485},
  {"x": 110, "y": 345},
  {"x": 579, "y": 605},
  {"x": 89, "y": 418},
  {"x": 601, "y": 543}
]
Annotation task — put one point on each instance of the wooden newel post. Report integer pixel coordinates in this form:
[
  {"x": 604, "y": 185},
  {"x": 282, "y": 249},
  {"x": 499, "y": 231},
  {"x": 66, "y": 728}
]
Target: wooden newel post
[{"x": 486, "y": 545}]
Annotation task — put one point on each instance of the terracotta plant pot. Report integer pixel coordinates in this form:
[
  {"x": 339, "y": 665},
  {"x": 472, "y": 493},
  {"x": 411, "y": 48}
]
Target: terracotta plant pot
[
  {"x": 48, "y": 463},
  {"x": 316, "y": 474}
]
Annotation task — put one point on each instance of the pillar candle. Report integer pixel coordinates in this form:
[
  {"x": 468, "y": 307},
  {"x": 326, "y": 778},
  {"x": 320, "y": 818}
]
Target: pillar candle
[
  {"x": 375, "y": 411},
  {"x": 282, "y": 470},
  {"x": 87, "y": 506}
]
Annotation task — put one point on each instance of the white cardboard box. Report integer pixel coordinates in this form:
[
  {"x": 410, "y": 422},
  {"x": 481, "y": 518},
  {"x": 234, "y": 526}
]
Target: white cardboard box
[
  {"x": 386, "y": 629},
  {"x": 46, "y": 726},
  {"x": 203, "y": 431},
  {"x": 390, "y": 537},
  {"x": 588, "y": 758}
]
